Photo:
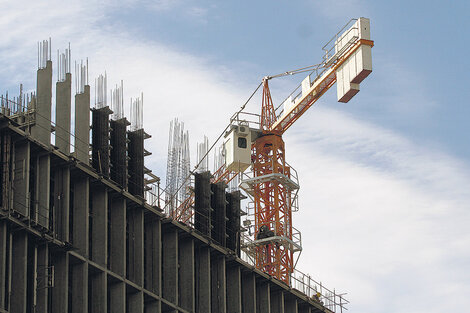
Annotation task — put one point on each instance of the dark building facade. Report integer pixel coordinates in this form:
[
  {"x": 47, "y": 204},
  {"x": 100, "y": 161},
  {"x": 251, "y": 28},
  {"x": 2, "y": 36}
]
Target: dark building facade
[{"x": 78, "y": 235}]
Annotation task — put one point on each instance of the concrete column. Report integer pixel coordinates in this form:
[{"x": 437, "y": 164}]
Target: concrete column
[
  {"x": 3, "y": 262},
  {"x": 43, "y": 189},
  {"x": 153, "y": 255},
  {"x": 79, "y": 288},
  {"x": 80, "y": 213},
  {"x": 136, "y": 245},
  {"x": 42, "y": 271},
  {"x": 117, "y": 240},
  {"x": 291, "y": 305},
  {"x": 63, "y": 114},
  {"x": 21, "y": 196},
  {"x": 136, "y": 302},
  {"x": 170, "y": 264},
  {"x": 117, "y": 294},
  {"x": 218, "y": 285},
  {"x": 203, "y": 280},
  {"x": 186, "y": 275},
  {"x": 153, "y": 307},
  {"x": 19, "y": 273},
  {"x": 42, "y": 128},
  {"x": 249, "y": 292},
  {"x": 98, "y": 293},
  {"x": 234, "y": 290},
  {"x": 60, "y": 292},
  {"x": 305, "y": 309},
  {"x": 99, "y": 227},
  {"x": 62, "y": 203},
  {"x": 82, "y": 126},
  {"x": 277, "y": 302},
  {"x": 263, "y": 297}
]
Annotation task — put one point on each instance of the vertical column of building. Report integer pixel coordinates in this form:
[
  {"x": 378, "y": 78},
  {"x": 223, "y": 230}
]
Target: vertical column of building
[
  {"x": 118, "y": 141},
  {"x": 43, "y": 271},
  {"x": 99, "y": 224},
  {"x": 249, "y": 292},
  {"x": 263, "y": 297},
  {"x": 18, "y": 292},
  {"x": 291, "y": 305},
  {"x": 135, "y": 222},
  {"x": 186, "y": 274},
  {"x": 97, "y": 291},
  {"x": 218, "y": 284},
  {"x": 203, "y": 279},
  {"x": 277, "y": 301},
  {"x": 100, "y": 140},
  {"x": 233, "y": 221},
  {"x": 136, "y": 162},
  {"x": 3, "y": 263},
  {"x": 218, "y": 215},
  {"x": 117, "y": 296},
  {"x": 202, "y": 203},
  {"x": 153, "y": 253},
  {"x": 6, "y": 167},
  {"x": 305, "y": 309},
  {"x": 170, "y": 263},
  {"x": 60, "y": 259},
  {"x": 80, "y": 211},
  {"x": 234, "y": 289},
  {"x": 21, "y": 177},
  {"x": 41, "y": 131}
]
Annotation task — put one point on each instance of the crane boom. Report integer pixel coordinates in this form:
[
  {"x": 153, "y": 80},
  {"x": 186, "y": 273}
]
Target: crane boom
[{"x": 318, "y": 87}]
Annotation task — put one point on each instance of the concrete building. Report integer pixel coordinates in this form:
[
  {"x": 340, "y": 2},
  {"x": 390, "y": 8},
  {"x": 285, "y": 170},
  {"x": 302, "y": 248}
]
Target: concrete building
[{"x": 79, "y": 231}]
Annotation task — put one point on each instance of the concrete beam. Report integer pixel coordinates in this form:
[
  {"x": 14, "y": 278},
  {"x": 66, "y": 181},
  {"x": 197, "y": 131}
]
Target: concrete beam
[
  {"x": 234, "y": 290},
  {"x": 117, "y": 240},
  {"x": 99, "y": 227},
  {"x": 82, "y": 126},
  {"x": 41, "y": 130},
  {"x": 81, "y": 199},
  {"x": 117, "y": 294},
  {"x": 218, "y": 285},
  {"x": 263, "y": 295},
  {"x": 249, "y": 292},
  {"x": 203, "y": 279},
  {"x": 170, "y": 265},
  {"x": 79, "y": 288},
  {"x": 186, "y": 275},
  {"x": 19, "y": 273},
  {"x": 63, "y": 114}
]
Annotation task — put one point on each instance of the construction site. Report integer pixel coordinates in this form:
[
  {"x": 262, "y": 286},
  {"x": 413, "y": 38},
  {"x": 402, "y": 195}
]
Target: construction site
[{"x": 85, "y": 226}]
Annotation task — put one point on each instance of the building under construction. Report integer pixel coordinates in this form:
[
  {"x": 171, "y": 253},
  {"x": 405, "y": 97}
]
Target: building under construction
[{"x": 84, "y": 226}]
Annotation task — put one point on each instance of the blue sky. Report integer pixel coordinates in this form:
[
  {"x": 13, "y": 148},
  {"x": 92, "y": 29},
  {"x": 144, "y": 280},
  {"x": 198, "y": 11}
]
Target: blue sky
[{"x": 384, "y": 200}]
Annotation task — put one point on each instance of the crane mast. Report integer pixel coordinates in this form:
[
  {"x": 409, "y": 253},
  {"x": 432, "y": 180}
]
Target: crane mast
[{"x": 347, "y": 62}]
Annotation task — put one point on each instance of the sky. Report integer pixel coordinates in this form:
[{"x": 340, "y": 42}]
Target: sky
[{"x": 384, "y": 197}]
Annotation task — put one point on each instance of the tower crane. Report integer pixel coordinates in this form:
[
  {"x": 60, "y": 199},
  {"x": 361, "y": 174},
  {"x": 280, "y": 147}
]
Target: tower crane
[{"x": 258, "y": 144}]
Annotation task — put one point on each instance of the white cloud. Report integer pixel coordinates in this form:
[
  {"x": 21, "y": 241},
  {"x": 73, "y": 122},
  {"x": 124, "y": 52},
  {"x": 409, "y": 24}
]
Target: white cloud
[{"x": 382, "y": 217}]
